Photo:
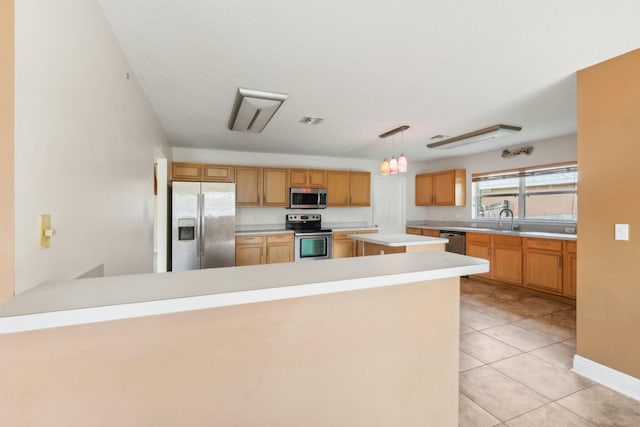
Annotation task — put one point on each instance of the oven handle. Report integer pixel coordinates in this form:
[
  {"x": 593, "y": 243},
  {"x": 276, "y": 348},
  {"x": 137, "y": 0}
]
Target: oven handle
[{"x": 323, "y": 234}]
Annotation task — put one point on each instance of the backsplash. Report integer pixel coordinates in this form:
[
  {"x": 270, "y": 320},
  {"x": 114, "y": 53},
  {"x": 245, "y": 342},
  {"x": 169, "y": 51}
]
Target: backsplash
[
  {"x": 261, "y": 216},
  {"x": 559, "y": 227}
]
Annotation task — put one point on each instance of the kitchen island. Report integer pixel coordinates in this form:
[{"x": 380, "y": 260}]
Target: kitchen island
[
  {"x": 391, "y": 243},
  {"x": 358, "y": 341}
]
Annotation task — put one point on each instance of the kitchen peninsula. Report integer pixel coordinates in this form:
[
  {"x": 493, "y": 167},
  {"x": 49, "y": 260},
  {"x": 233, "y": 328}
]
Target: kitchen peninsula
[
  {"x": 368, "y": 339},
  {"x": 390, "y": 243}
]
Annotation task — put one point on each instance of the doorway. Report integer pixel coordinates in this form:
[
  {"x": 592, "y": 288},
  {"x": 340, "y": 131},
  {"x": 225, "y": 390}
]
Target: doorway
[{"x": 389, "y": 203}]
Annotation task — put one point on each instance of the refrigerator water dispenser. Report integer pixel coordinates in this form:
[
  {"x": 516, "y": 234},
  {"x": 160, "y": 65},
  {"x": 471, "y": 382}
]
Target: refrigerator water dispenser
[{"x": 186, "y": 229}]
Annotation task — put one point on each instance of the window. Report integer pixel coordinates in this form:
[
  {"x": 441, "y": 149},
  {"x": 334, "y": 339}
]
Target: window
[{"x": 544, "y": 193}]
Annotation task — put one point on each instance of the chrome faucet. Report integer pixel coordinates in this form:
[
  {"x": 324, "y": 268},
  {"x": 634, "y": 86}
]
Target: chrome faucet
[{"x": 509, "y": 212}]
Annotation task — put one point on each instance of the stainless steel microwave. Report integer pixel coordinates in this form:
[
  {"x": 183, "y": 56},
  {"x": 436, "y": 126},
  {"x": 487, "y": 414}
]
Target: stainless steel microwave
[{"x": 307, "y": 198}]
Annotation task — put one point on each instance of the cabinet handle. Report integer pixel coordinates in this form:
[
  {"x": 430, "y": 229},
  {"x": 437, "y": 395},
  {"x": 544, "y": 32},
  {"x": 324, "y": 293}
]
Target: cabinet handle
[
  {"x": 560, "y": 261},
  {"x": 488, "y": 251}
]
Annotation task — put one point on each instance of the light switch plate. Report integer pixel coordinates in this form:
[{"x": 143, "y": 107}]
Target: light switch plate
[
  {"x": 622, "y": 232},
  {"x": 45, "y": 224}
]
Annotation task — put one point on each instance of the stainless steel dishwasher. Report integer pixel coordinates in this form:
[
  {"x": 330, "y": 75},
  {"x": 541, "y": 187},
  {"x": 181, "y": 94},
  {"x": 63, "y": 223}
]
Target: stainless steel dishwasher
[{"x": 457, "y": 241}]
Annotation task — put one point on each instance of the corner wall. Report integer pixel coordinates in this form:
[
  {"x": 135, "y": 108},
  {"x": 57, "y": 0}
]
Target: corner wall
[
  {"x": 6, "y": 148},
  {"x": 85, "y": 143},
  {"x": 608, "y": 270}
]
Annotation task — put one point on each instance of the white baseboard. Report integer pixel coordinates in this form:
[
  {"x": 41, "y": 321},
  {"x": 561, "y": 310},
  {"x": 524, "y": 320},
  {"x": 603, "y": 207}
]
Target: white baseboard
[{"x": 616, "y": 380}]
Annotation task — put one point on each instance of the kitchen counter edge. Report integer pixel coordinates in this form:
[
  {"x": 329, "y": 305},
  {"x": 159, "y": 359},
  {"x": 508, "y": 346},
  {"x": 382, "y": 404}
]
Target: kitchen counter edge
[
  {"x": 532, "y": 234},
  {"x": 74, "y": 302}
]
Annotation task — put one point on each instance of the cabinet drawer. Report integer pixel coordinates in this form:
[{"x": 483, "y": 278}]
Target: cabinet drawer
[
  {"x": 572, "y": 247},
  {"x": 507, "y": 240},
  {"x": 479, "y": 238},
  {"x": 545, "y": 244},
  {"x": 280, "y": 238},
  {"x": 249, "y": 240},
  {"x": 430, "y": 233}
]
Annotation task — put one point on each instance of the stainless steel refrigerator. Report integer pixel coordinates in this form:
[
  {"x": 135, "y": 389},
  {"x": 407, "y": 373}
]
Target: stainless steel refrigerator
[{"x": 203, "y": 225}]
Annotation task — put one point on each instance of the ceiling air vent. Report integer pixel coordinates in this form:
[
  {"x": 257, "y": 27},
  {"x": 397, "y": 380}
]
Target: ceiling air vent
[{"x": 254, "y": 108}]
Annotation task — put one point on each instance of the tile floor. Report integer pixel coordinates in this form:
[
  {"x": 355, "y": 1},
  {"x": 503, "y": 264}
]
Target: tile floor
[{"x": 516, "y": 352}]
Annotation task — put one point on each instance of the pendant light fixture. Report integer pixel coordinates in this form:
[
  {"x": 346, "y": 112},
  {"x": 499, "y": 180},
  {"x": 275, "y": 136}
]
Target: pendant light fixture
[{"x": 395, "y": 165}]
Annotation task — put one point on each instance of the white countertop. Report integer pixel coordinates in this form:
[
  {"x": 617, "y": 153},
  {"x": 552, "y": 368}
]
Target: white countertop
[
  {"x": 540, "y": 234},
  {"x": 398, "y": 239},
  {"x": 81, "y": 301}
]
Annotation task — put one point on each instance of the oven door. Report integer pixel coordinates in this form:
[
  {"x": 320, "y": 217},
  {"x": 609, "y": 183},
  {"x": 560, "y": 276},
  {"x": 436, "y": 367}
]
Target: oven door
[{"x": 313, "y": 246}]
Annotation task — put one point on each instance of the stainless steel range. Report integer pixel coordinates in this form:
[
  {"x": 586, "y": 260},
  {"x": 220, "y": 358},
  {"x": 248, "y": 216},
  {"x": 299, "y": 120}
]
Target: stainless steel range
[{"x": 312, "y": 242}]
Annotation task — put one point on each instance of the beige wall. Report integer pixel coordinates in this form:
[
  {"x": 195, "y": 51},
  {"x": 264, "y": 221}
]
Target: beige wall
[
  {"x": 377, "y": 357},
  {"x": 6, "y": 149},
  {"x": 608, "y": 271},
  {"x": 86, "y": 139}
]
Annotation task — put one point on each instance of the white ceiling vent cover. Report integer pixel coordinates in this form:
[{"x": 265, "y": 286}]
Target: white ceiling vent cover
[{"x": 254, "y": 108}]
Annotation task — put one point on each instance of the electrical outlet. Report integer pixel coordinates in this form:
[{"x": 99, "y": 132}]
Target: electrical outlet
[
  {"x": 473, "y": 224},
  {"x": 570, "y": 230}
]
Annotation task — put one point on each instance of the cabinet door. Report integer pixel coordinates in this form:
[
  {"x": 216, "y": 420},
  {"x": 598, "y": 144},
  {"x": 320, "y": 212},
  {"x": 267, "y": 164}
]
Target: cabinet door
[
  {"x": 478, "y": 245},
  {"x": 543, "y": 270},
  {"x": 298, "y": 178},
  {"x": 218, "y": 173},
  {"x": 317, "y": 178},
  {"x": 424, "y": 189},
  {"x": 360, "y": 189},
  {"x": 507, "y": 264},
  {"x": 279, "y": 248},
  {"x": 248, "y": 255},
  {"x": 186, "y": 171},
  {"x": 248, "y": 186},
  {"x": 337, "y": 188},
  {"x": 344, "y": 248},
  {"x": 279, "y": 253},
  {"x": 275, "y": 187},
  {"x": 449, "y": 188}
]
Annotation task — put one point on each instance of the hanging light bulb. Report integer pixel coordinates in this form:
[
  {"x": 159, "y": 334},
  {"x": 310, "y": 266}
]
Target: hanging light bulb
[
  {"x": 393, "y": 165},
  {"x": 384, "y": 167},
  {"x": 402, "y": 163}
]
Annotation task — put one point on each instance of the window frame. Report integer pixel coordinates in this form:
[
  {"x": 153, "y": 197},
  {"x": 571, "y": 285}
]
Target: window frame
[{"x": 521, "y": 196}]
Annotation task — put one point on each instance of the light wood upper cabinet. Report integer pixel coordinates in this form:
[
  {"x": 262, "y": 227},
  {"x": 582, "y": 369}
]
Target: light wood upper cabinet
[
  {"x": 337, "y": 188},
  {"x": 248, "y": 186},
  {"x": 218, "y": 173},
  {"x": 345, "y": 188},
  {"x": 446, "y": 188},
  {"x": 424, "y": 189},
  {"x": 275, "y": 187},
  {"x": 308, "y": 178},
  {"x": 360, "y": 188},
  {"x": 181, "y": 171},
  {"x": 186, "y": 171},
  {"x": 543, "y": 264}
]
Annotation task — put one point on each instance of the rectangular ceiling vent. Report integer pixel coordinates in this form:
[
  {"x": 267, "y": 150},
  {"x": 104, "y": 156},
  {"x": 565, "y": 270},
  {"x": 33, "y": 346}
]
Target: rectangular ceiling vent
[{"x": 253, "y": 109}]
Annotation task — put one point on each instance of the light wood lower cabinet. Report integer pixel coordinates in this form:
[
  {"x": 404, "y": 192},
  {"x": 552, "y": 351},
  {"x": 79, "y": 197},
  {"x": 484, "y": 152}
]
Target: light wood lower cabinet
[
  {"x": 547, "y": 265},
  {"x": 504, "y": 253},
  {"x": 344, "y": 247},
  {"x": 423, "y": 231},
  {"x": 543, "y": 264},
  {"x": 507, "y": 259},
  {"x": 264, "y": 249},
  {"x": 249, "y": 250},
  {"x": 279, "y": 248}
]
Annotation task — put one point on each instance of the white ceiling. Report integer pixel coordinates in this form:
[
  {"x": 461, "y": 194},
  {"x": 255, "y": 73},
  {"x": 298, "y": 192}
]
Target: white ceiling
[{"x": 368, "y": 66}]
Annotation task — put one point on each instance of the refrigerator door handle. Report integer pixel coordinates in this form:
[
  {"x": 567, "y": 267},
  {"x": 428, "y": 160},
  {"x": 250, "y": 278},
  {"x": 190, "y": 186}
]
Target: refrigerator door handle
[{"x": 201, "y": 217}]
